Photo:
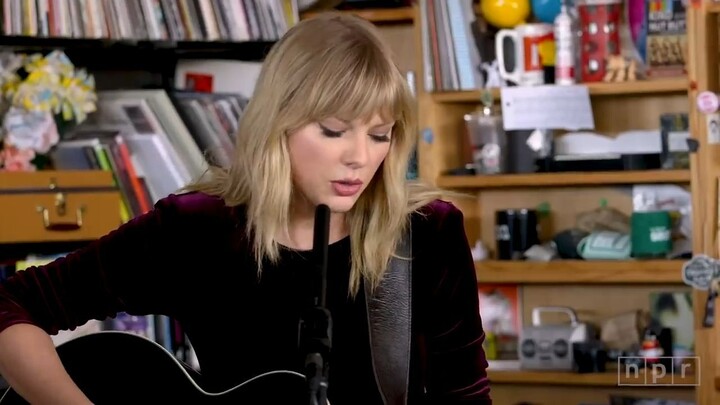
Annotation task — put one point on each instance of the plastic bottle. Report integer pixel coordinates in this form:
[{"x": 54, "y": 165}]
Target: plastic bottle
[{"x": 564, "y": 48}]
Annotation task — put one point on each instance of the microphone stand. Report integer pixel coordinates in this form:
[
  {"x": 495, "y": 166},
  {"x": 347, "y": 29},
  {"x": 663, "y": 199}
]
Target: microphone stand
[{"x": 316, "y": 322}]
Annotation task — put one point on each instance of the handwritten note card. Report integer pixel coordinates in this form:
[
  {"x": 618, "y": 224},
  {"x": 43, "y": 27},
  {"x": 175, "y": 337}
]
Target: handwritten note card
[{"x": 546, "y": 107}]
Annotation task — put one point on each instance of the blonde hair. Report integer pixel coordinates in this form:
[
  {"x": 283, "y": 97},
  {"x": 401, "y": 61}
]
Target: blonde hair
[{"x": 332, "y": 65}]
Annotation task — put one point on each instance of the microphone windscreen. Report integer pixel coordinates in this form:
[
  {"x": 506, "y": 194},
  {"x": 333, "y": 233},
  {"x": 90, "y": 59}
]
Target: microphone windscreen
[{"x": 321, "y": 234}]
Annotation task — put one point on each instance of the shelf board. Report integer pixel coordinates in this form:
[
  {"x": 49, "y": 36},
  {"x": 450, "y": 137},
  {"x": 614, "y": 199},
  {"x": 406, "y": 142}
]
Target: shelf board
[
  {"x": 376, "y": 15},
  {"x": 580, "y": 272},
  {"x": 158, "y": 57},
  {"x": 606, "y": 379},
  {"x": 713, "y": 7},
  {"x": 656, "y": 86},
  {"x": 29, "y": 42},
  {"x": 564, "y": 179}
]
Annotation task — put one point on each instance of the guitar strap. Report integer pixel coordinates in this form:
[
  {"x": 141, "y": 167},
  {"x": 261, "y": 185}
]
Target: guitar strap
[{"x": 389, "y": 313}]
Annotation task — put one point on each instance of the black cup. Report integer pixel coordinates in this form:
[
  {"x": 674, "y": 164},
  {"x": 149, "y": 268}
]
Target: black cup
[{"x": 516, "y": 230}]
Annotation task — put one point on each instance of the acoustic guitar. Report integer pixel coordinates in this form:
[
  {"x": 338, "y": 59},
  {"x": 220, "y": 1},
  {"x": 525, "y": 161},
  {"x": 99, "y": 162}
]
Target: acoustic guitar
[{"x": 115, "y": 367}]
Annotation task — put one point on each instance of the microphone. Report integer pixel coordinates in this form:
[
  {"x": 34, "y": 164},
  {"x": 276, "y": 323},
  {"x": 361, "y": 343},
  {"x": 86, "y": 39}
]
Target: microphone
[
  {"x": 321, "y": 240},
  {"x": 316, "y": 322}
]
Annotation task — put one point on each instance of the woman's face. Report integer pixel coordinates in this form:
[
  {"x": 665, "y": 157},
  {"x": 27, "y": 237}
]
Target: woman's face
[{"x": 333, "y": 160}]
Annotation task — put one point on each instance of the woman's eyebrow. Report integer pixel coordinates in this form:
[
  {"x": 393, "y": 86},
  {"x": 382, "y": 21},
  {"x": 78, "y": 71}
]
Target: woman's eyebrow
[
  {"x": 384, "y": 125},
  {"x": 349, "y": 123}
]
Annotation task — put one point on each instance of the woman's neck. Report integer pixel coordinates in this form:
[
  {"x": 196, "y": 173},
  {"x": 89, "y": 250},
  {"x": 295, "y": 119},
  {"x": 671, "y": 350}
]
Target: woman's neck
[{"x": 301, "y": 230}]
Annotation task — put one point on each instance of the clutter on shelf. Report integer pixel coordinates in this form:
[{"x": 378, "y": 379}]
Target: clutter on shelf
[{"x": 545, "y": 42}]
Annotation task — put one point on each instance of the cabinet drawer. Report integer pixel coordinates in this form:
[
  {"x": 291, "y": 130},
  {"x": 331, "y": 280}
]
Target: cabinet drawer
[{"x": 57, "y": 206}]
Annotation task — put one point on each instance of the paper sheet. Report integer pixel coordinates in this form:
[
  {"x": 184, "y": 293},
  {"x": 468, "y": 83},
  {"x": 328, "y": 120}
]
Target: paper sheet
[{"x": 546, "y": 107}]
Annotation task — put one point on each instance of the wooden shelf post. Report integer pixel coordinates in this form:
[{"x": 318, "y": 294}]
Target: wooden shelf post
[{"x": 702, "y": 23}]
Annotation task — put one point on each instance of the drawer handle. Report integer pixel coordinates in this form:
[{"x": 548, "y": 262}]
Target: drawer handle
[
  {"x": 61, "y": 210},
  {"x": 61, "y": 226}
]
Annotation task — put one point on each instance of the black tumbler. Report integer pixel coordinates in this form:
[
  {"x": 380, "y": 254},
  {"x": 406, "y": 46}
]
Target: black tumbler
[{"x": 516, "y": 230}]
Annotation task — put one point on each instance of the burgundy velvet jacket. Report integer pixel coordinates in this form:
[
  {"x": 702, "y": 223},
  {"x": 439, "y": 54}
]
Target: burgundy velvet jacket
[{"x": 189, "y": 259}]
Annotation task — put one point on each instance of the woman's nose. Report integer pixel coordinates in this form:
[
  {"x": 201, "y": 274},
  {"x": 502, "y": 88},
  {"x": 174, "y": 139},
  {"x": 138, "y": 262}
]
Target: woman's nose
[{"x": 357, "y": 154}]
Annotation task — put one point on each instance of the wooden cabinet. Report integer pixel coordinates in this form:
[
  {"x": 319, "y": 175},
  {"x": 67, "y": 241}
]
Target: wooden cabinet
[{"x": 52, "y": 206}]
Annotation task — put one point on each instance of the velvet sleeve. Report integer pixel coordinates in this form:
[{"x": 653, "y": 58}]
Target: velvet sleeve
[
  {"x": 455, "y": 355},
  {"x": 127, "y": 270}
]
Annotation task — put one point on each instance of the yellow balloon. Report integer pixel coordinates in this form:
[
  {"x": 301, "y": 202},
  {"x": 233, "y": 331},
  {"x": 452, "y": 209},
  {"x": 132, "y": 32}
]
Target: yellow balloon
[{"x": 505, "y": 13}]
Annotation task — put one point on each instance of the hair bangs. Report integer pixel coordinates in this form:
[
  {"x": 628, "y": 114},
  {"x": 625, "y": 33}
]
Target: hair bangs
[
  {"x": 365, "y": 84},
  {"x": 375, "y": 91}
]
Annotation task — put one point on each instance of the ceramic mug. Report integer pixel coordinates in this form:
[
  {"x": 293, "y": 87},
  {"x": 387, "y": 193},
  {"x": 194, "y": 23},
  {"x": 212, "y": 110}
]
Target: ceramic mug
[
  {"x": 651, "y": 233},
  {"x": 531, "y": 45}
]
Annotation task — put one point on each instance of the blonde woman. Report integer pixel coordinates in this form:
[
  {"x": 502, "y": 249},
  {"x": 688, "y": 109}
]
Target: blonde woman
[{"x": 331, "y": 122}]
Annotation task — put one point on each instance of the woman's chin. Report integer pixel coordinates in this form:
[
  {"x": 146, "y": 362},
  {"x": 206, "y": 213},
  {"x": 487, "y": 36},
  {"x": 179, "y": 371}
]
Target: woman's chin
[{"x": 340, "y": 204}]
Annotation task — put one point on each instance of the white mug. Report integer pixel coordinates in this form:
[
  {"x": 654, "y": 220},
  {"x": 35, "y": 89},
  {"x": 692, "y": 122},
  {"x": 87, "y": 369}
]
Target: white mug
[{"x": 528, "y": 42}]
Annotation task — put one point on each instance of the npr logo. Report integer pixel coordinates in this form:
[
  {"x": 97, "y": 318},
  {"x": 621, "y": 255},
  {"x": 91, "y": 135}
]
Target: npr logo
[{"x": 682, "y": 371}]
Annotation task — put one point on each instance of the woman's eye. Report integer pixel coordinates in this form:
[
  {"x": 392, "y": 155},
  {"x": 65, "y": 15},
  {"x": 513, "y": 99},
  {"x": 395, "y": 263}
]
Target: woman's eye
[
  {"x": 330, "y": 133},
  {"x": 380, "y": 138}
]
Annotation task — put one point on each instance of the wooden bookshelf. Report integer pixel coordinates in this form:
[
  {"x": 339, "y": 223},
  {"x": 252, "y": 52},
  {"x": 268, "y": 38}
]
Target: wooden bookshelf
[
  {"x": 580, "y": 272},
  {"x": 713, "y": 7},
  {"x": 376, "y": 15},
  {"x": 565, "y": 179},
  {"x": 559, "y": 378},
  {"x": 639, "y": 87},
  {"x": 596, "y": 290}
]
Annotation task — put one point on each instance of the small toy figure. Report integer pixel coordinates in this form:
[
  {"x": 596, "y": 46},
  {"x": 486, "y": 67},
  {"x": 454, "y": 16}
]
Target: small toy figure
[
  {"x": 614, "y": 71},
  {"x": 620, "y": 69},
  {"x": 492, "y": 73},
  {"x": 650, "y": 348}
]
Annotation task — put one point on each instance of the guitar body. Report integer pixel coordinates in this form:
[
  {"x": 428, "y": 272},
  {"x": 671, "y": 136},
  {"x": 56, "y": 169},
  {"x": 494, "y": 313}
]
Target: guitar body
[{"x": 124, "y": 368}]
